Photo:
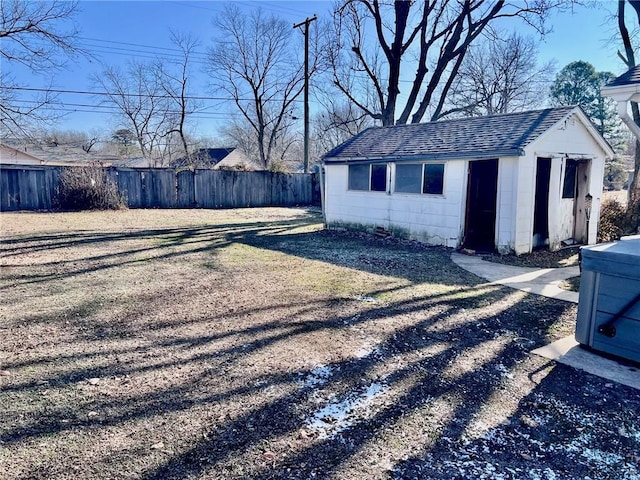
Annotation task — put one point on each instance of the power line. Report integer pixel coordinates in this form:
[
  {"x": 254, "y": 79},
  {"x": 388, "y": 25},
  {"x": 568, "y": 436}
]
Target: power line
[
  {"x": 104, "y": 47},
  {"x": 113, "y": 109},
  {"x": 264, "y": 5},
  {"x": 82, "y": 110},
  {"x": 97, "y": 49},
  {"x": 112, "y": 94},
  {"x": 152, "y": 47},
  {"x": 278, "y": 9}
]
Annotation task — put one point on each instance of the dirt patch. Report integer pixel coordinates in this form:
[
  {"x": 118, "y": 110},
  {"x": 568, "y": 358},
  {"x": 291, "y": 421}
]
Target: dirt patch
[
  {"x": 166, "y": 344},
  {"x": 565, "y": 257}
]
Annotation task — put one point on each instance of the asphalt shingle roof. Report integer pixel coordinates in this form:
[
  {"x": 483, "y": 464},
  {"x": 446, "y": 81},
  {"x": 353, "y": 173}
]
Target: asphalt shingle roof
[
  {"x": 629, "y": 77},
  {"x": 498, "y": 135},
  {"x": 204, "y": 156}
]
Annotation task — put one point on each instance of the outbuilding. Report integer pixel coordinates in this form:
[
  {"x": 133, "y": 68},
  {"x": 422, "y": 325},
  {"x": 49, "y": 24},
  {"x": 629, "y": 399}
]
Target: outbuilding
[{"x": 511, "y": 182}]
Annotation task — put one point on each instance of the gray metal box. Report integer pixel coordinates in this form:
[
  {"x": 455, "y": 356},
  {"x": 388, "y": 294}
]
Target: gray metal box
[{"x": 609, "y": 302}]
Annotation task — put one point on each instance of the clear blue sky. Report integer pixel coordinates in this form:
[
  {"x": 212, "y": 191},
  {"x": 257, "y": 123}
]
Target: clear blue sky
[{"x": 117, "y": 31}]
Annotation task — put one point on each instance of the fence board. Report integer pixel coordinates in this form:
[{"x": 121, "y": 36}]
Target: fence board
[
  {"x": 34, "y": 188},
  {"x": 186, "y": 195}
]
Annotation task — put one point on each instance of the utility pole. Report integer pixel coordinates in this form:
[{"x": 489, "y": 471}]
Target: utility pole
[{"x": 306, "y": 24}]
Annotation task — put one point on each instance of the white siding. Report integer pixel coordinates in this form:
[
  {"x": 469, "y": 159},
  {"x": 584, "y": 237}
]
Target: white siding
[
  {"x": 564, "y": 226},
  {"x": 439, "y": 219},
  {"x": 433, "y": 219},
  {"x": 568, "y": 140},
  {"x": 525, "y": 197},
  {"x": 10, "y": 155},
  {"x": 506, "y": 204}
]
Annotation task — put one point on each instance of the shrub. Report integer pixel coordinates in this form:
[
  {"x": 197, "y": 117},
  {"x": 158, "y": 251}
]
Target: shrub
[
  {"x": 87, "y": 188},
  {"x": 616, "y": 220}
]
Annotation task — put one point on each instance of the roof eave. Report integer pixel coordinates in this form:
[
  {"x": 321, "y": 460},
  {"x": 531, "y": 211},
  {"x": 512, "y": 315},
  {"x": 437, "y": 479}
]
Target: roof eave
[{"x": 514, "y": 152}]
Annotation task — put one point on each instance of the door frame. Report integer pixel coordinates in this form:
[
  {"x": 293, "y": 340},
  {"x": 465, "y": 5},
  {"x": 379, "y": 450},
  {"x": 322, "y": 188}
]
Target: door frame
[
  {"x": 473, "y": 169},
  {"x": 537, "y": 211}
]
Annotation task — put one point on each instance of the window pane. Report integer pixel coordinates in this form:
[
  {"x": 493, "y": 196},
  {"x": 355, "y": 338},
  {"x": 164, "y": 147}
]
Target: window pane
[
  {"x": 408, "y": 178},
  {"x": 358, "y": 177},
  {"x": 569, "y": 187},
  {"x": 433, "y": 178},
  {"x": 379, "y": 178}
]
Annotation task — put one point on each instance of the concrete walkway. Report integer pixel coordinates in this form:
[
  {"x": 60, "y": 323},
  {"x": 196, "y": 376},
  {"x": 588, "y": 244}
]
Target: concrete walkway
[
  {"x": 543, "y": 281},
  {"x": 568, "y": 352}
]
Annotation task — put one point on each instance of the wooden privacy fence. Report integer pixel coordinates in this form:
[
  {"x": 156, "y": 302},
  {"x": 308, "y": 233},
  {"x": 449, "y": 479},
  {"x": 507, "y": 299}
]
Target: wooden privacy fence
[{"x": 34, "y": 188}]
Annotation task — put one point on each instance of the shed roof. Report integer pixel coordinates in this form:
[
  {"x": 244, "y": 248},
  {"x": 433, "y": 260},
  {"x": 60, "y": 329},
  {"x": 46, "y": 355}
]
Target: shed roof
[
  {"x": 630, "y": 77},
  {"x": 490, "y": 136}
]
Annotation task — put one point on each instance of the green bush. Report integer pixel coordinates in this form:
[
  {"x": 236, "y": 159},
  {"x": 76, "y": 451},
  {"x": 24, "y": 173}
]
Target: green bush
[
  {"x": 616, "y": 220},
  {"x": 87, "y": 188}
]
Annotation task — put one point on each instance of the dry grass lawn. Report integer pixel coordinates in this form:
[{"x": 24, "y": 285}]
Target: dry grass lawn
[{"x": 184, "y": 344}]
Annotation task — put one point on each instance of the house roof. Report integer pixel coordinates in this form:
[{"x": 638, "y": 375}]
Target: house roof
[
  {"x": 476, "y": 137},
  {"x": 63, "y": 154},
  {"x": 630, "y": 77},
  {"x": 12, "y": 155},
  {"x": 204, "y": 157}
]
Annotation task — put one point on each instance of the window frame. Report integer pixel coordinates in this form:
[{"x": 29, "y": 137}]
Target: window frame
[
  {"x": 422, "y": 179},
  {"x": 349, "y": 178},
  {"x": 370, "y": 177},
  {"x": 570, "y": 165}
]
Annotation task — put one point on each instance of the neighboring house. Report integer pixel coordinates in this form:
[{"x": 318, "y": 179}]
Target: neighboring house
[
  {"x": 14, "y": 156},
  {"x": 20, "y": 152},
  {"x": 229, "y": 158},
  {"x": 510, "y": 183}
]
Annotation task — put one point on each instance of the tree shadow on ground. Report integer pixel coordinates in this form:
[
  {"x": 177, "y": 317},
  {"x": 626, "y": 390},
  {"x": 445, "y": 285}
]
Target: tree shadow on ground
[
  {"x": 447, "y": 390},
  {"x": 421, "y": 388}
]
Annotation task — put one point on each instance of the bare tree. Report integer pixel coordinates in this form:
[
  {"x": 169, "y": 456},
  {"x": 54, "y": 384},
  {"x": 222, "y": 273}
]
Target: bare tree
[
  {"x": 500, "y": 75},
  {"x": 241, "y": 134},
  {"x": 629, "y": 58},
  {"x": 336, "y": 123},
  {"x": 40, "y": 36},
  {"x": 19, "y": 117},
  {"x": 139, "y": 96},
  {"x": 175, "y": 76},
  {"x": 71, "y": 138},
  {"x": 255, "y": 62},
  {"x": 430, "y": 36}
]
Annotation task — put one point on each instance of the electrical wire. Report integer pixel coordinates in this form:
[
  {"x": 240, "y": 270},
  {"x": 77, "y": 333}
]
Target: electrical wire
[{"x": 137, "y": 95}]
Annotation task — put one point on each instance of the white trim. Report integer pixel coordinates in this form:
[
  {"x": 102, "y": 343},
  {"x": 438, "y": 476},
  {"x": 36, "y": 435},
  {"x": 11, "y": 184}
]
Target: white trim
[{"x": 602, "y": 143}]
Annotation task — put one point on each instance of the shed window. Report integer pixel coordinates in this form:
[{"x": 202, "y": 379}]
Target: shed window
[
  {"x": 368, "y": 177},
  {"x": 569, "y": 185},
  {"x": 433, "y": 178},
  {"x": 409, "y": 178},
  {"x": 420, "y": 178},
  {"x": 379, "y": 178},
  {"x": 358, "y": 177}
]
